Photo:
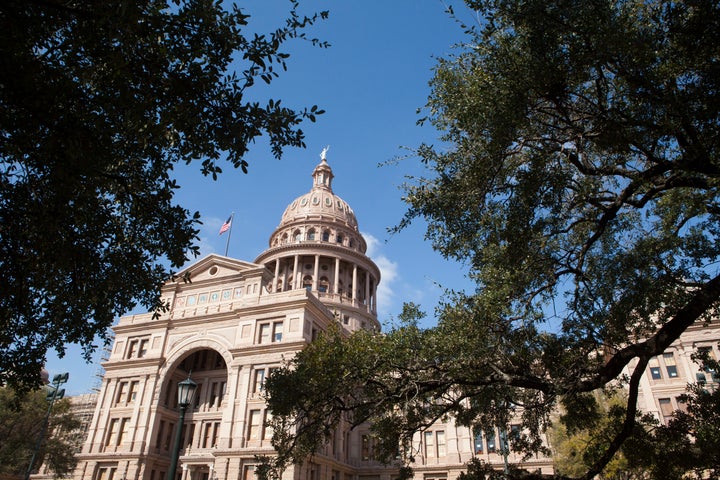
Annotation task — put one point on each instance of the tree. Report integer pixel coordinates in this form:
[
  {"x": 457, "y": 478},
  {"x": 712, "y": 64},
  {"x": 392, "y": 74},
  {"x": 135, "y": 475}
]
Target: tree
[
  {"x": 98, "y": 102},
  {"x": 689, "y": 445},
  {"x": 576, "y": 441},
  {"x": 578, "y": 181},
  {"x": 21, "y": 418}
]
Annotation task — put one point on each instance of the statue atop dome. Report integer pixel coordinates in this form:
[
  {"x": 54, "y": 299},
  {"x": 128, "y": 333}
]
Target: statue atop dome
[{"x": 323, "y": 154}]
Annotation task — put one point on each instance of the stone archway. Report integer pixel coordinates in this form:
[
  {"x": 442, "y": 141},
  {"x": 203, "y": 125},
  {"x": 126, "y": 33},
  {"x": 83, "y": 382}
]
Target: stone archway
[{"x": 200, "y": 432}]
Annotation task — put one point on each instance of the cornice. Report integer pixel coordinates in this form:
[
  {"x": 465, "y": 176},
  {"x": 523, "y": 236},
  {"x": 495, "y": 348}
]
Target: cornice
[{"x": 132, "y": 363}]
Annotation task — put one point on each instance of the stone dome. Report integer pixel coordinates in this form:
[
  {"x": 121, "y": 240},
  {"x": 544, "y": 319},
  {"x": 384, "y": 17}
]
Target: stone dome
[{"x": 320, "y": 202}]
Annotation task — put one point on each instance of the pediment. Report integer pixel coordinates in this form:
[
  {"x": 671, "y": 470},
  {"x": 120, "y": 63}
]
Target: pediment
[{"x": 214, "y": 268}]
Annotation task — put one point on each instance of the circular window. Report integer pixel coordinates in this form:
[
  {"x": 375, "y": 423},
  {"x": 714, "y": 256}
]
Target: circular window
[{"x": 213, "y": 270}]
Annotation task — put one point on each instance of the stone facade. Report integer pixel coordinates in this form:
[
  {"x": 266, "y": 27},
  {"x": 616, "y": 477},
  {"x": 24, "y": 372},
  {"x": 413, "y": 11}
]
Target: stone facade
[{"x": 667, "y": 375}]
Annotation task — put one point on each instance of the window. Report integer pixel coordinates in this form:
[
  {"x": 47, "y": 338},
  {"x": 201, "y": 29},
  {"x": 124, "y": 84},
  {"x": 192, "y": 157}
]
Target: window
[
  {"x": 132, "y": 348},
  {"x": 112, "y": 431},
  {"x": 255, "y": 425},
  {"x": 121, "y": 392},
  {"x": 655, "y": 368},
  {"x": 277, "y": 331},
  {"x": 339, "y": 238},
  {"x": 264, "y": 335},
  {"x": 311, "y": 234},
  {"x": 210, "y": 434},
  {"x": 670, "y": 367},
  {"x": 270, "y": 332},
  {"x": 249, "y": 472},
  {"x": 198, "y": 395},
  {"x": 666, "y": 409},
  {"x": 122, "y": 433},
  {"x": 169, "y": 436},
  {"x": 216, "y": 393},
  {"x": 478, "y": 442},
  {"x": 491, "y": 447},
  {"x": 105, "y": 473},
  {"x": 137, "y": 347},
  {"x": 259, "y": 382},
  {"x": 367, "y": 447},
  {"x": 435, "y": 444},
  {"x": 126, "y": 392},
  {"x": 132, "y": 392},
  {"x": 117, "y": 431},
  {"x": 307, "y": 282},
  {"x": 267, "y": 430},
  {"x": 440, "y": 437},
  {"x": 681, "y": 403},
  {"x": 708, "y": 352},
  {"x": 158, "y": 441},
  {"x": 326, "y": 236},
  {"x": 515, "y": 432},
  {"x": 430, "y": 445}
]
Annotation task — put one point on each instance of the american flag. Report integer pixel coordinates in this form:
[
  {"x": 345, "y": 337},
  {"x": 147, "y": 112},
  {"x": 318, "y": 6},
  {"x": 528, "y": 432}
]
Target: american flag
[{"x": 226, "y": 226}]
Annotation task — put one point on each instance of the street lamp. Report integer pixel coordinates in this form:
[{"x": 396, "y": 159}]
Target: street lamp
[
  {"x": 186, "y": 392},
  {"x": 55, "y": 394}
]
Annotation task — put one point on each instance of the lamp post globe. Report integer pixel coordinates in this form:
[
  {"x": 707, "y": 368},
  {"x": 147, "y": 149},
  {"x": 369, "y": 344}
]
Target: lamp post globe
[{"x": 186, "y": 392}]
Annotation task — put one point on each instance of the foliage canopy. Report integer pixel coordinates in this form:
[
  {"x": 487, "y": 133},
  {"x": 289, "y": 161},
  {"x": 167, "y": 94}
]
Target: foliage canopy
[
  {"x": 578, "y": 181},
  {"x": 98, "y": 102},
  {"x": 22, "y": 416}
]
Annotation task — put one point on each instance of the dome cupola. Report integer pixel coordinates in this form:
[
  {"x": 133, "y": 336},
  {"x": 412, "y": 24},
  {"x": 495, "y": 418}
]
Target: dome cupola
[{"x": 318, "y": 246}]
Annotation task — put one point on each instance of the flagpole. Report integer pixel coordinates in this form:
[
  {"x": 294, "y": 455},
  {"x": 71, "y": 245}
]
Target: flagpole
[{"x": 227, "y": 243}]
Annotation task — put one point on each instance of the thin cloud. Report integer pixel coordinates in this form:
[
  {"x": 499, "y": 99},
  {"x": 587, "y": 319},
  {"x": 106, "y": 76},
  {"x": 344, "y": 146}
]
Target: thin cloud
[{"x": 388, "y": 276}]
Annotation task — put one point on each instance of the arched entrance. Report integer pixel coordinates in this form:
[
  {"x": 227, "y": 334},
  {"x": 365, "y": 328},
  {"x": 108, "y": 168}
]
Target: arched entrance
[{"x": 200, "y": 433}]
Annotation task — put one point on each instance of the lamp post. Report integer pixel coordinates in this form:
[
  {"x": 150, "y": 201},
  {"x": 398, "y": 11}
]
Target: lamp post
[
  {"x": 186, "y": 392},
  {"x": 55, "y": 394}
]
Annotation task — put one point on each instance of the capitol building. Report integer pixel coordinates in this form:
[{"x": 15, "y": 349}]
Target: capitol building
[{"x": 232, "y": 325}]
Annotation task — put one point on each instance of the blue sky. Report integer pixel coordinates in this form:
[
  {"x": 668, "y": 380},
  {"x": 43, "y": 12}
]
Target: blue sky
[{"x": 371, "y": 82}]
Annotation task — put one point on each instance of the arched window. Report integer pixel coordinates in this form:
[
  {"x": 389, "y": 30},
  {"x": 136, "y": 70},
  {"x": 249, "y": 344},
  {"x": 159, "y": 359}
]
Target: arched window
[
  {"x": 326, "y": 235},
  {"x": 324, "y": 284},
  {"x": 339, "y": 238},
  {"x": 297, "y": 235},
  {"x": 311, "y": 234},
  {"x": 284, "y": 238},
  {"x": 307, "y": 282}
]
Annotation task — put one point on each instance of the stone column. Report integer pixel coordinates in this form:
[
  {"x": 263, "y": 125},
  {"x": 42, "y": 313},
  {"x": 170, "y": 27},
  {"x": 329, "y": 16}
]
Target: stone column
[
  {"x": 285, "y": 277},
  {"x": 276, "y": 277},
  {"x": 354, "y": 286},
  {"x": 295, "y": 273},
  {"x": 337, "y": 275},
  {"x": 367, "y": 290},
  {"x": 315, "y": 273}
]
